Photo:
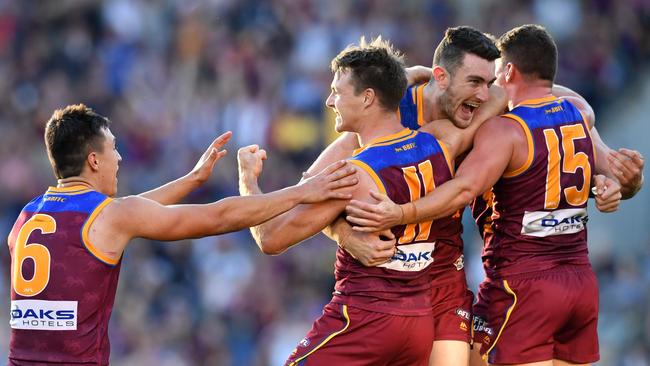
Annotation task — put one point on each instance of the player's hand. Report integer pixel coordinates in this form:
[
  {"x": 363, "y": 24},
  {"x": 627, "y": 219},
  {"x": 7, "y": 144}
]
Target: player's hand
[
  {"x": 334, "y": 182},
  {"x": 371, "y": 249},
  {"x": 608, "y": 193},
  {"x": 203, "y": 168},
  {"x": 368, "y": 217},
  {"x": 250, "y": 159},
  {"x": 627, "y": 166}
]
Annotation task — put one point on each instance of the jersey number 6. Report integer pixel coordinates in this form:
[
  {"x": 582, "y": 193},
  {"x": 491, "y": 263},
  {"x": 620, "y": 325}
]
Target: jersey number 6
[{"x": 37, "y": 252}]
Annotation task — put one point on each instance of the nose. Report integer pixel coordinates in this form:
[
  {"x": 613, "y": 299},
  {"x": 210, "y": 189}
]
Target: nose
[
  {"x": 330, "y": 101},
  {"x": 483, "y": 93}
]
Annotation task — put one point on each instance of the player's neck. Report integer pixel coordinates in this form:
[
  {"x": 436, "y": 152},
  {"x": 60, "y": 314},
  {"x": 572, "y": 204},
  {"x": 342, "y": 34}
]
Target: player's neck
[
  {"x": 527, "y": 92},
  {"x": 430, "y": 108},
  {"x": 74, "y": 181},
  {"x": 384, "y": 124}
]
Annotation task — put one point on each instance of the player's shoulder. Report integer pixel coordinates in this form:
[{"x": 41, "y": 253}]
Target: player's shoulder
[{"x": 500, "y": 128}]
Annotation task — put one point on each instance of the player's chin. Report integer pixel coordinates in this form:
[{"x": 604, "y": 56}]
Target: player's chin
[{"x": 462, "y": 121}]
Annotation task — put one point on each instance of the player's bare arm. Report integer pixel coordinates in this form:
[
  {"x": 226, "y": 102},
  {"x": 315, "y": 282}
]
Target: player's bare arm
[
  {"x": 136, "y": 216},
  {"x": 174, "y": 191},
  {"x": 486, "y": 162},
  {"x": 370, "y": 249},
  {"x": 342, "y": 148},
  {"x": 282, "y": 232},
  {"x": 418, "y": 74},
  {"x": 625, "y": 165}
]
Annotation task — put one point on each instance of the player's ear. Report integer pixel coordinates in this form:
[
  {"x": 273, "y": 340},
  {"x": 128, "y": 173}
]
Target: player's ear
[
  {"x": 441, "y": 76},
  {"x": 368, "y": 97},
  {"x": 510, "y": 71},
  {"x": 92, "y": 161}
]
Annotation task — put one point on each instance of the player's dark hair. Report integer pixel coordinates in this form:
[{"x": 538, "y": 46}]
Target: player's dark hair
[
  {"x": 531, "y": 49},
  {"x": 375, "y": 65},
  {"x": 70, "y": 135},
  {"x": 459, "y": 41}
]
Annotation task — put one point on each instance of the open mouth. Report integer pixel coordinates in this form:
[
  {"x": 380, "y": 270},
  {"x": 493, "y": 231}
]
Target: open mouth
[{"x": 471, "y": 106}]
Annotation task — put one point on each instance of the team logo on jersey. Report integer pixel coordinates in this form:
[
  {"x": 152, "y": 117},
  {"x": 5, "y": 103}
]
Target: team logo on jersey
[
  {"x": 411, "y": 257},
  {"x": 460, "y": 262},
  {"x": 559, "y": 222},
  {"x": 43, "y": 315}
]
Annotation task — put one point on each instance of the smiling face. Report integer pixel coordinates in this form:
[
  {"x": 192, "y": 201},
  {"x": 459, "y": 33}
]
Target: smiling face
[
  {"x": 467, "y": 89},
  {"x": 107, "y": 164},
  {"x": 347, "y": 105}
]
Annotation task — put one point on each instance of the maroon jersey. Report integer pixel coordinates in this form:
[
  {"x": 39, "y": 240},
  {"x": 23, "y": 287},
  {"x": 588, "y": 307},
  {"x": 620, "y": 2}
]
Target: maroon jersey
[
  {"x": 540, "y": 209},
  {"x": 405, "y": 166},
  {"x": 62, "y": 288},
  {"x": 448, "y": 261}
]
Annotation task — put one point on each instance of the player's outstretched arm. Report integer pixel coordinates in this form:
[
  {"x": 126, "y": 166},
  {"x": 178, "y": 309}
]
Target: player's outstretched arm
[
  {"x": 136, "y": 216},
  {"x": 277, "y": 235},
  {"x": 486, "y": 162},
  {"x": 174, "y": 191},
  {"x": 460, "y": 140}
]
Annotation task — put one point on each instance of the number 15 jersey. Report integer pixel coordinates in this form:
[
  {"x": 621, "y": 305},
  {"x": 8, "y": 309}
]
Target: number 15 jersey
[{"x": 540, "y": 209}]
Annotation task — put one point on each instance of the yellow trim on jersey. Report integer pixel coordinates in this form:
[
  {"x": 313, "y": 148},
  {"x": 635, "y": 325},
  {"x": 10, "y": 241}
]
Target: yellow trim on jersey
[
  {"x": 347, "y": 324},
  {"x": 508, "y": 313},
  {"x": 420, "y": 104},
  {"x": 86, "y": 228},
  {"x": 445, "y": 152},
  {"x": 538, "y": 101},
  {"x": 531, "y": 148},
  {"x": 389, "y": 139},
  {"x": 78, "y": 189},
  {"x": 372, "y": 173}
]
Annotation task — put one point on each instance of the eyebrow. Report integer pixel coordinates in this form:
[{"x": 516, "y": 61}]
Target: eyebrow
[{"x": 480, "y": 78}]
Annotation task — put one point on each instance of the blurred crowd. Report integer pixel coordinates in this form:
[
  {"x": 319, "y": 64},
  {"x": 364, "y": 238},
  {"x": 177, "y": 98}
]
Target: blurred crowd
[{"x": 173, "y": 74}]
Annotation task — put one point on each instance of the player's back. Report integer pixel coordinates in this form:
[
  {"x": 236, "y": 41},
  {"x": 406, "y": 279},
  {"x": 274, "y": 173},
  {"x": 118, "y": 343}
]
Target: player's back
[
  {"x": 540, "y": 209},
  {"x": 404, "y": 166},
  {"x": 62, "y": 289}
]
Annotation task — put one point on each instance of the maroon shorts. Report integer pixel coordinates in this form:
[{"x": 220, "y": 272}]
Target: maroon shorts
[
  {"x": 539, "y": 316},
  {"x": 349, "y": 336},
  {"x": 452, "y": 311}
]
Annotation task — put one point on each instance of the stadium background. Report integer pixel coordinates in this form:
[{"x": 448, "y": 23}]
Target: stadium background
[{"x": 174, "y": 74}]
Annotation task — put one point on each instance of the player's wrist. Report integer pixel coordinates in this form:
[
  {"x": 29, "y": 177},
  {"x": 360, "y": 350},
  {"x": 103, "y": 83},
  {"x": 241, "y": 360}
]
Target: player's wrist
[{"x": 409, "y": 213}]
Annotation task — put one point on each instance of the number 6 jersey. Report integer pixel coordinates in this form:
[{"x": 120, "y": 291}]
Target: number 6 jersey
[
  {"x": 62, "y": 289},
  {"x": 540, "y": 209}
]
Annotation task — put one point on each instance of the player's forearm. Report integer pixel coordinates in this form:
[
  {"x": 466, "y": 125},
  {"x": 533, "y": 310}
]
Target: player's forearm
[
  {"x": 418, "y": 74},
  {"x": 338, "y": 230},
  {"x": 254, "y": 210},
  {"x": 444, "y": 201},
  {"x": 174, "y": 191},
  {"x": 278, "y": 234}
]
